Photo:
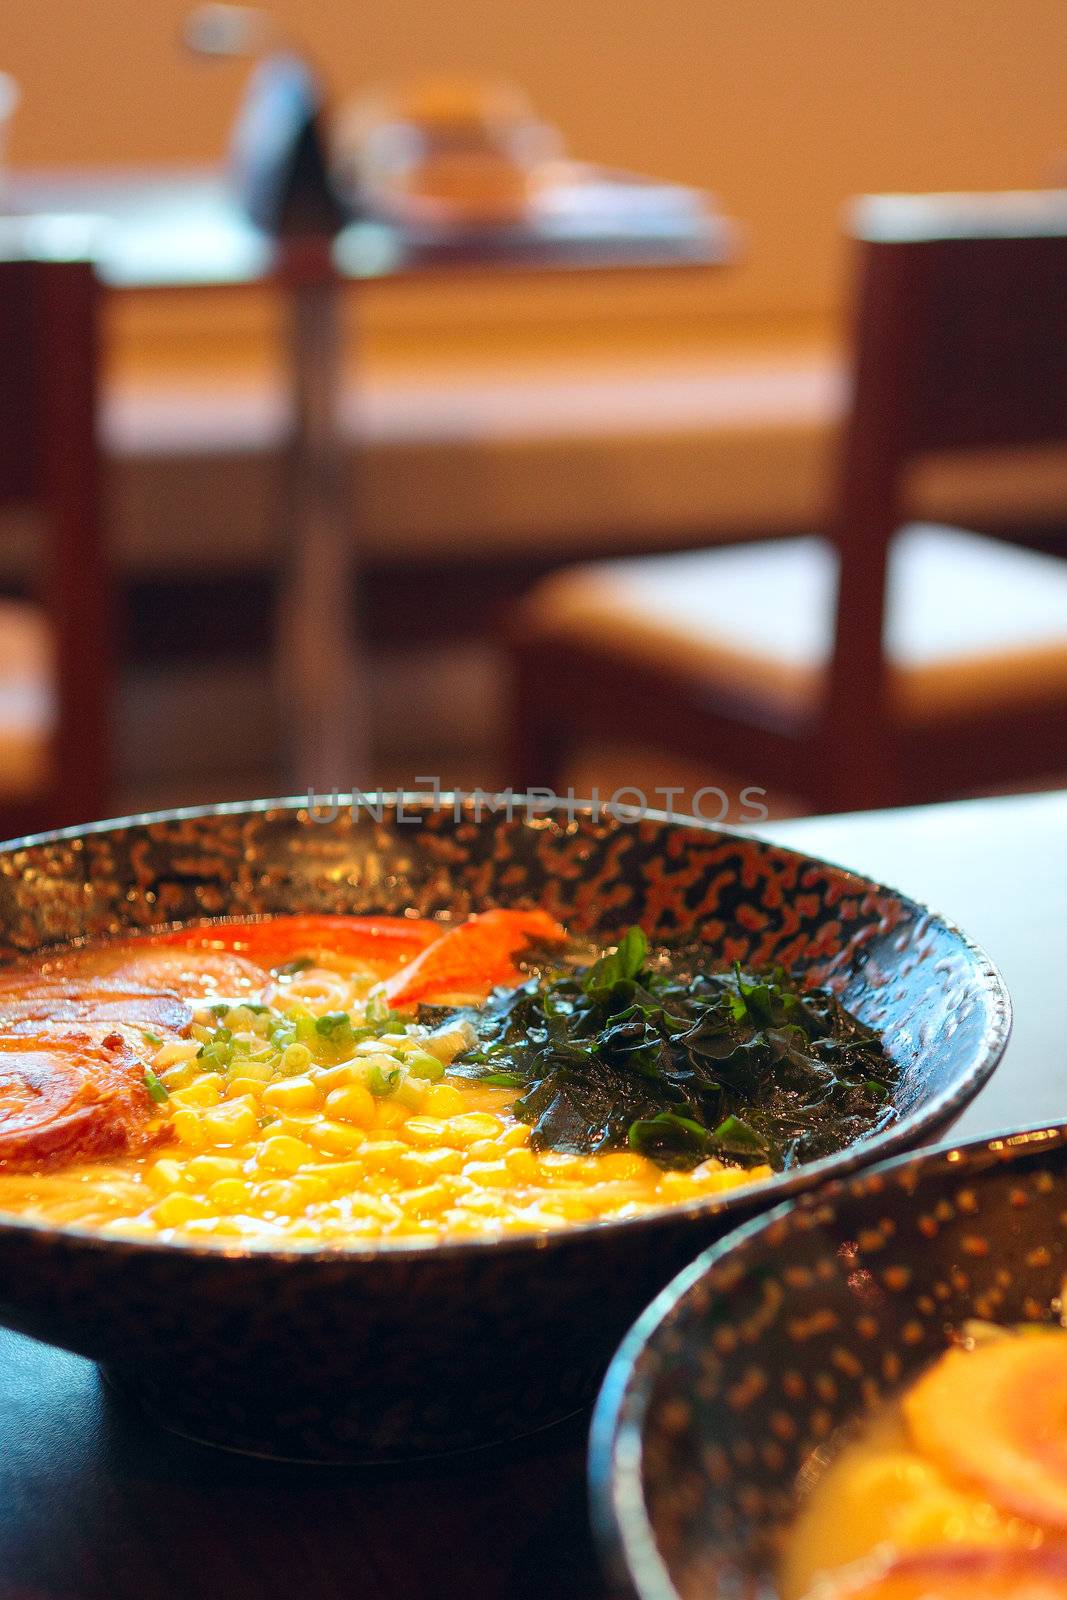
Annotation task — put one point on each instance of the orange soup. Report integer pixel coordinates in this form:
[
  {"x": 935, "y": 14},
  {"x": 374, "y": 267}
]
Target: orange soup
[{"x": 319, "y": 1081}]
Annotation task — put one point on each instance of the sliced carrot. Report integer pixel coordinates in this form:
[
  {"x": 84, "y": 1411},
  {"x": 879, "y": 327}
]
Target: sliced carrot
[
  {"x": 958, "y": 1573},
  {"x": 471, "y": 959},
  {"x": 995, "y": 1417},
  {"x": 276, "y": 940}
]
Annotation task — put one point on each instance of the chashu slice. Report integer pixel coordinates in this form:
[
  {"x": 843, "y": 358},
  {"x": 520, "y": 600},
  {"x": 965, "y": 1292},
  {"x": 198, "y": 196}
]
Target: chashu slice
[{"x": 69, "y": 1097}]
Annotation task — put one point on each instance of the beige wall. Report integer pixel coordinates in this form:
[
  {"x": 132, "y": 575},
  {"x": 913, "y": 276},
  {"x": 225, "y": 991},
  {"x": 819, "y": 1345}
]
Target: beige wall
[{"x": 783, "y": 107}]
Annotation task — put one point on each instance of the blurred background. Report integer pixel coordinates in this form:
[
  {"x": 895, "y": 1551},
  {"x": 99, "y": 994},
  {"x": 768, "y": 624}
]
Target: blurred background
[{"x": 365, "y": 377}]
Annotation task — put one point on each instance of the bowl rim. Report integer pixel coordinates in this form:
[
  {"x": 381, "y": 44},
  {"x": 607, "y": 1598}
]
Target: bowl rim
[
  {"x": 624, "y": 1534},
  {"x": 780, "y": 1188}
]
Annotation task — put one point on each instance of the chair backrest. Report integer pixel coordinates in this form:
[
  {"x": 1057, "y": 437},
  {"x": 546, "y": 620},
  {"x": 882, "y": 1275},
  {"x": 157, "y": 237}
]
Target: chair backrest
[
  {"x": 49, "y": 335},
  {"x": 959, "y": 342}
]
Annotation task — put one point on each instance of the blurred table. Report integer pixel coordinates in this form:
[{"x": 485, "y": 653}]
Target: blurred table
[
  {"x": 95, "y": 1504},
  {"x": 183, "y": 230}
]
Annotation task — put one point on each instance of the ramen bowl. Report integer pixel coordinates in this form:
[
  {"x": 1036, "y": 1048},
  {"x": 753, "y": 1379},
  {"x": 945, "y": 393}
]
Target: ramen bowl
[
  {"x": 409, "y": 1347},
  {"x": 743, "y": 1377}
]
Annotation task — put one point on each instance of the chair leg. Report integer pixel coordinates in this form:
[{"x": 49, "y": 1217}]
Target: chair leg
[
  {"x": 857, "y": 769},
  {"x": 536, "y": 741}
]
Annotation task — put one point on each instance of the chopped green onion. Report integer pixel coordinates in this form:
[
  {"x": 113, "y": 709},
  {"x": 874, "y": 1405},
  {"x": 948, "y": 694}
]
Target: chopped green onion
[
  {"x": 333, "y": 1022},
  {"x": 382, "y": 1083},
  {"x": 421, "y": 1064},
  {"x": 157, "y": 1091}
]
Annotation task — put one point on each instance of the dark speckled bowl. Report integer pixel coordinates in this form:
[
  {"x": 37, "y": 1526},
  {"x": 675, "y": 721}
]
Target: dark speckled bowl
[
  {"x": 413, "y": 1348},
  {"x": 785, "y": 1333}
]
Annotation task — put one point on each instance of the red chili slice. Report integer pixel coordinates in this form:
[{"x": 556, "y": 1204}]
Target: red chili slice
[{"x": 471, "y": 959}]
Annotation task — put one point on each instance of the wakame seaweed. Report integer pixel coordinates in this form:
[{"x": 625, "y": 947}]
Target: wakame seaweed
[{"x": 658, "y": 1054}]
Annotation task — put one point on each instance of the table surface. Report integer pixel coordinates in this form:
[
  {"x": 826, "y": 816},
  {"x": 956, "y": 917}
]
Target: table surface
[
  {"x": 178, "y": 229},
  {"x": 97, "y": 1505}
]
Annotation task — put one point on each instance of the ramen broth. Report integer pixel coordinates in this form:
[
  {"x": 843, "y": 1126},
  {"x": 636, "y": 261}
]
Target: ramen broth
[
  {"x": 956, "y": 1491},
  {"x": 327, "y": 1081}
]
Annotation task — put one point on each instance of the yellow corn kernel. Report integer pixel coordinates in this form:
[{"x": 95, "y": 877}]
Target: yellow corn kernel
[
  {"x": 605, "y": 1198},
  {"x": 214, "y": 1227},
  {"x": 461, "y": 1223},
  {"x": 570, "y": 1206},
  {"x": 471, "y": 1126},
  {"x": 621, "y": 1164},
  {"x": 382, "y": 1181},
  {"x": 487, "y": 1150},
  {"x": 177, "y": 1052},
  {"x": 515, "y": 1135},
  {"x": 187, "y": 1127},
  {"x": 204, "y": 1170},
  {"x": 254, "y": 1072},
  {"x": 329, "y": 1078},
  {"x": 282, "y": 1153},
  {"x": 177, "y": 1077},
  {"x": 383, "y": 1155},
  {"x": 419, "y": 1165},
  {"x": 425, "y": 1132},
  {"x": 304, "y": 1230},
  {"x": 390, "y": 1114},
  {"x": 176, "y": 1209},
  {"x": 339, "y": 1176},
  {"x": 677, "y": 1186},
  {"x": 203, "y": 1091},
  {"x": 336, "y": 1138},
  {"x": 442, "y": 1100},
  {"x": 233, "y": 1122},
  {"x": 428, "y": 1201},
  {"x": 352, "y": 1102},
  {"x": 488, "y": 1174},
  {"x": 282, "y": 1195},
  {"x": 298, "y": 1125},
  {"x": 483, "y": 1203},
  {"x": 230, "y": 1194},
  {"x": 165, "y": 1174},
  {"x": 356, "y": 1228},
  {"x": 292, "y": 1094},
  {"x": 411, "y": 1227},
  {"x": 522, "y": 1164},
  {"x": 238, "y": 1088},
  {"x": 312, "y": 1188}
]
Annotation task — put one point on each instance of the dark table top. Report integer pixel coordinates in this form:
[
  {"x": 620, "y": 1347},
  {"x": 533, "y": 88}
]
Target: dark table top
[
  {"x": 95, "y": 1504},
  {"x": 183, "y": 230}
]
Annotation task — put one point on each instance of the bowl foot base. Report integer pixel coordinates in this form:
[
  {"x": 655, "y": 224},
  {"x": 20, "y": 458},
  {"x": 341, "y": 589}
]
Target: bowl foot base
[{"x": 299, "y": 1440}]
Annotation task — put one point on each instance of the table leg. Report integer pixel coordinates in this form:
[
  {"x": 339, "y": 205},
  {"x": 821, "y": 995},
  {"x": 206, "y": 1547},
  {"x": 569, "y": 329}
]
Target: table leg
[{"x": 318, "y": 671}]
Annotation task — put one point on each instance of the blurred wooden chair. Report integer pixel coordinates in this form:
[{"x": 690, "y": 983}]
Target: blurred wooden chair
[
  {"x": 881, "y": 663},
  {"x": 56, "y": 646}
]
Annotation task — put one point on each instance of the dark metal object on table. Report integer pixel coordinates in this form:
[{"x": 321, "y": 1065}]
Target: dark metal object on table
[
  {"x": 320, "y": 690},
  {"x": 278, "y": 156},
  {"x": 281, "y": 177}
]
